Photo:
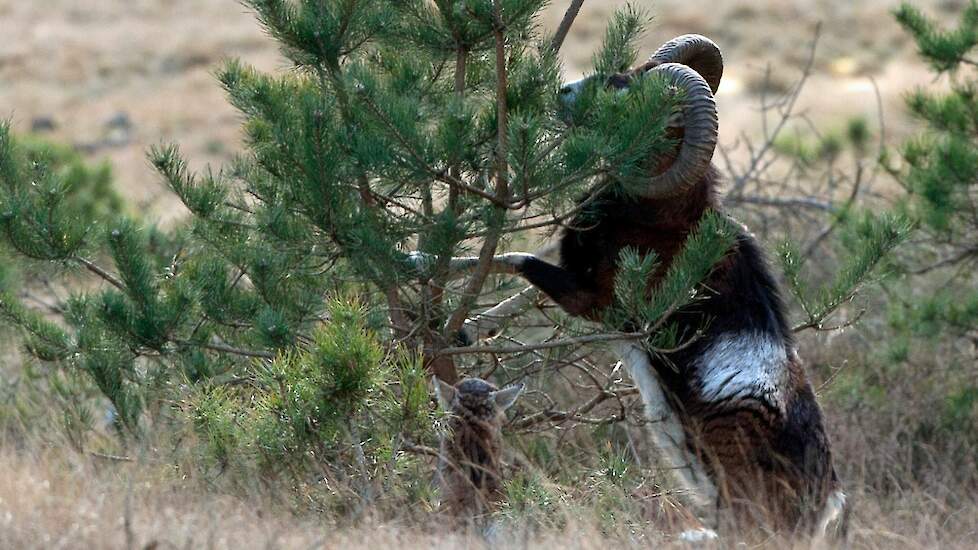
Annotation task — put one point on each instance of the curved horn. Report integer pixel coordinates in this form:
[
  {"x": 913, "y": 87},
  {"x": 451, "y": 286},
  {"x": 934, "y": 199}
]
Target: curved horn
[
  {"x": 701, "y": 126},
  {"x": 695, "y": 51}
]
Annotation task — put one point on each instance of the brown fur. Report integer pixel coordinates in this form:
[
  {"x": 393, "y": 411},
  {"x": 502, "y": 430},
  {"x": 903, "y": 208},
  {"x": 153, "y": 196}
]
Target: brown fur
[
  {"x": 770, "y": 462},
  {"x": 759, "y": 486},
  {"x": 470, "y": 464}
]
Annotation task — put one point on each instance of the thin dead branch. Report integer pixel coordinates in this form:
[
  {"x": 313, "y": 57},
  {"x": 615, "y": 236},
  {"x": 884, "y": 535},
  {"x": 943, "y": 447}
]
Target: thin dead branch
[{"x": 565, "y": 25}]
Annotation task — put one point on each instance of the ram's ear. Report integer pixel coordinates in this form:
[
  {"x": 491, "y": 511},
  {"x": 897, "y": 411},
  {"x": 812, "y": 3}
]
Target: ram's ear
[
  {"x": 444, "y": 392},
  {"x": 505, "y": 397}
]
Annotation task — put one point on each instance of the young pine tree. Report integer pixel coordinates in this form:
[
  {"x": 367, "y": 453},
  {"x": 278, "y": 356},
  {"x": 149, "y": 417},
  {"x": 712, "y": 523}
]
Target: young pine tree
[
  {"x": 403, "y": 126},
  {"x": 940, "y": 175}
]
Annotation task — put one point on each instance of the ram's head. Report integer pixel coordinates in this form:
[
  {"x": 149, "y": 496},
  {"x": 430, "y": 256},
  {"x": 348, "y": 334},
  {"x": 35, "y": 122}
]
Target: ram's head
[{"x": 693, "y": 65}]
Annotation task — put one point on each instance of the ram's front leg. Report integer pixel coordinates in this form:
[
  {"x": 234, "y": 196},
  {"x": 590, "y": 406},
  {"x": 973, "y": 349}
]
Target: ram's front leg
[
  {"x": 424, "y": 264},
  {"x": 491, "y": 322},
  {"x": 575, "y": 296}
]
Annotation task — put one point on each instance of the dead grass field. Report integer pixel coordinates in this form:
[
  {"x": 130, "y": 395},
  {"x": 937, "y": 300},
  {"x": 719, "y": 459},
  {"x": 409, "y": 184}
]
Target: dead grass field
[{"x": 50, "y": 500}]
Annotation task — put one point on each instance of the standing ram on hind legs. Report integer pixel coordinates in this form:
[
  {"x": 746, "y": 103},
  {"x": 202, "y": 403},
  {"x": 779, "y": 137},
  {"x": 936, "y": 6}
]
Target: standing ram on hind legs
[{"x": 732, "y": 412}]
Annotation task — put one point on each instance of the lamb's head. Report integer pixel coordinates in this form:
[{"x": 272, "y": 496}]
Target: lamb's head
[
  {"x": 470, "y": 454},
  {"x": 693, "y": 65},
  {"x": 477, "y": 402}
]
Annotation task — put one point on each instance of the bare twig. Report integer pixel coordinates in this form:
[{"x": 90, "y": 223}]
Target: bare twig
[
  {"x": 112, "y": 458},
  {"x": 127, "y": 517},
  {"x": 420, "y": 450},
  {"x": 354, "y": 434},
  {"x": 968, "y": 253},
  {"x": 832, "y": 225},
  {"x": 791, "y": 202},
  {"x": 522, "y": 348},
  {"x": 577, "y": 414},
  {"x": 832, "y": 377},
  {"x": 224, "y": 348},
  {"x": 565, "y": 25},
  {"x": 786, "y": 106},
  {"x": 51, "y": 308},
  {"x": 816, "y": 321},
  {"x": 105, "y": 275}
]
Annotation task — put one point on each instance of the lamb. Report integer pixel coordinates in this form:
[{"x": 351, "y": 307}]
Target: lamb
[{"x": 470, "y": 454}]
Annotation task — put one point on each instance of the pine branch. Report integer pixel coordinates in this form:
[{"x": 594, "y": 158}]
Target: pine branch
[
  {"x": 440, "y": 175},
  {"x": 436, "y": 286},
  {"x": 488, "y": 250},
  {"x": 502, "y": 113}
]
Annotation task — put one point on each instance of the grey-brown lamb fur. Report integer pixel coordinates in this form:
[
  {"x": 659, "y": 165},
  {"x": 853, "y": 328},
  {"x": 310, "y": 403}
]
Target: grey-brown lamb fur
[{"x": 471, "y": 452}]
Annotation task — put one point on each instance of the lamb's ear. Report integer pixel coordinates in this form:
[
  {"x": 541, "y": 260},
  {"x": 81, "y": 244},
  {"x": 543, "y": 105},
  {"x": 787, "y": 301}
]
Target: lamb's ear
[
  {"x": 445, "y": 393},
  {"x": 505, "y": 397}
]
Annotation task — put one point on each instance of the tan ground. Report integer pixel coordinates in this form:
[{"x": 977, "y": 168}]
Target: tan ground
[
  {"x": 83, "y": 62},
  {"x": 51, "y": 500}
]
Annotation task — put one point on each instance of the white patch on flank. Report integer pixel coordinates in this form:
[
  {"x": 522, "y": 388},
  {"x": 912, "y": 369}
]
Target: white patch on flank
[
  {"x": 834, "y": 507},
  {"x": 739, "y": 365},
  {"x": 667, "y": 430}
]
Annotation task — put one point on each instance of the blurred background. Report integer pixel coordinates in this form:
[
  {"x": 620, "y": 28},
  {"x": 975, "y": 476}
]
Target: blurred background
[{"x": 113, "y": 77}]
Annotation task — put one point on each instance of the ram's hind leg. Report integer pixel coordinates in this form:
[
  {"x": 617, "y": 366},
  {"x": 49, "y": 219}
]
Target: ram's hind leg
[{"x": 669, "y": 437}]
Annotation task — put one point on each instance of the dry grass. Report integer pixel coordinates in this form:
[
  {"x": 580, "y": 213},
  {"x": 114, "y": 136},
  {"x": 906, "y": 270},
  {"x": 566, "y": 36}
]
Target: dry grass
[
  {"x": 52, "y": 500},
  {"x": 49, "y": 501}
]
